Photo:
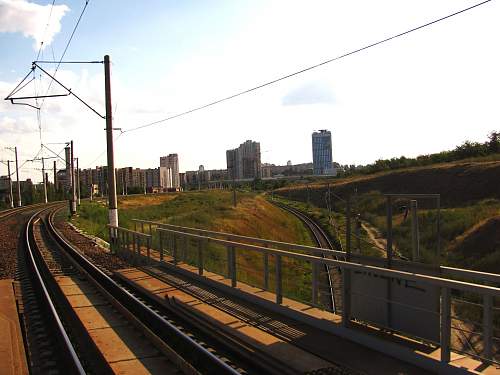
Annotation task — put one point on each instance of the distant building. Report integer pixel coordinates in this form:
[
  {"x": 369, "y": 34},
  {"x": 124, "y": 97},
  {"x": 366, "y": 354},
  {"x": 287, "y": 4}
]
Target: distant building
[
  {"x": 152, "y": 178},
  {"x": 322, "y": 153},
  {"x": 169, "y": 176},
  {"x": 271, "y": 170},
  {"x": 244, "y": 162},
  {"x": 4, "y": 183},
  {"x": 266, "y": 169}
]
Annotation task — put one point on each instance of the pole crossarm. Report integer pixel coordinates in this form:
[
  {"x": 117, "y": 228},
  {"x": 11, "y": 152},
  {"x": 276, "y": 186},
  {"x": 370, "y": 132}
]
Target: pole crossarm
[
  {"x": 69, "y": 90},
  {"x": 16, "y": 89},
  {"x": 67, "y": 62},
  {"x": 37, "y": 97},
  {"x": 45, "y": 158},
  {"x": 57, "y": 156}
]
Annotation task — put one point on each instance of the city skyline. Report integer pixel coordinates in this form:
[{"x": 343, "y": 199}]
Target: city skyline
[{"x": 375, "y": 101}]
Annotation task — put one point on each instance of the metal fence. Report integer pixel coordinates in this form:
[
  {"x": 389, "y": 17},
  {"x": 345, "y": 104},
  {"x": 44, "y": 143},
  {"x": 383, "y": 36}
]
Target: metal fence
[
  {"x": 270, "y": 259},
  {"x": 130, "y": 244}
]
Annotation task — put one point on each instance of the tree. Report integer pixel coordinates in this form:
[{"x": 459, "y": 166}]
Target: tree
[{"x": 494, "y": 142}]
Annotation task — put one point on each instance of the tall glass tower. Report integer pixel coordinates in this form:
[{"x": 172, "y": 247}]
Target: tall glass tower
[{"x": 322, "y": 153}]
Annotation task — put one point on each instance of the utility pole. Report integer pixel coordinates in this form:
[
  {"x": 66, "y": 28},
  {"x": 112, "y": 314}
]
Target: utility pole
[
  {"x": 10, "y": 185},
  {"x": 78, "y": 181},
  {"x": 112, "y": 201},
  {"x": 55, "y": 177},
  {"x": 44, "y": 181},
  {"x": 91, "y": 186},
  {"x": 19, "y": 203},
  {"x": 415, "y": 235},
  {"x": 73, "y": 185}
]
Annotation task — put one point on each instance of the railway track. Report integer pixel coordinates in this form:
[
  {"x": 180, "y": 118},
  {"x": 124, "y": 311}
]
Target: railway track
[
  {"x": 162, "y": 347},
  {"x": 333, "y": 298},
  {"x": 232, "y": 350}
]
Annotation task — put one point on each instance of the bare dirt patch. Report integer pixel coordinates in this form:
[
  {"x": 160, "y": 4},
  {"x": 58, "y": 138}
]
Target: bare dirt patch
[
  {"x": 9, "y": 234},
  {"x": 141, "y": 200}
]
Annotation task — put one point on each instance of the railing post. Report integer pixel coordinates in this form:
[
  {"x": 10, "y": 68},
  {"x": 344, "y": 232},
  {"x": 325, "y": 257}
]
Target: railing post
[
  {"x": 117, "y": 244},
  {"x": 110, "y": 234},
  {"x": 186, "y": 245},
  {"x": 148, "y": 249},
  {"x": 200, "y": 256},
  {"x": 233, "y": 266},
  {"x": 228, "y": 257},
  {"x": 415, "y": 236},
  {"x": 346, "y": 297},
  {"x": 160, "y": 233},
  {"x": 134, "y": 245},
  {"x": 174, "y": 248},
  {"x": 266, "y": 269},
  {"x": 445, "y": 324},
  {"x": 122, "y": 242},
  {"x": 142, "y": 226},
  {"x": 126, "y": 238},
  {"x": 279, "y": 296},
  {"x": 487, "y": 327},
  {"x": 135, "y": 225},
  {"x": 314, "y": 283},
  {"x": 150, "y": 229}
]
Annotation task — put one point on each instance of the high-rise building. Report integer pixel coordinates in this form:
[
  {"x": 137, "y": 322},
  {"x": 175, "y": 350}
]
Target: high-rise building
[
  {"x": 170, "y": 175},
  {"x": 152, "y": 176},
  {"x": 322, "y": 153},
  {"x": 244, "y": 162}
]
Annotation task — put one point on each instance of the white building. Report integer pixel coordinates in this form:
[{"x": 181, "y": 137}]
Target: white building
[{"x": 169, "y": 172}]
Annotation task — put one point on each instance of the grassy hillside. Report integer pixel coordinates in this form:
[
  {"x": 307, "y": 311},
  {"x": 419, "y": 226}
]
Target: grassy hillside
[
  {"x": 253, "y": 215},
  {"x": 470, "y": 198}
]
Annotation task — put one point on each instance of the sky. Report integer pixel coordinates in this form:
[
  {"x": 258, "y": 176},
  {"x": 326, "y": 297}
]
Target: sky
[{"x": 425, "y": 92}]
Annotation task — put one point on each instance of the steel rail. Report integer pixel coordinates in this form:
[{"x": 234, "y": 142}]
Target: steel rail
[
  {"x": 192, "y": 351},
  {"x": 11, "y": 211},
  {"x": 321, "y": 239},
  {"x": 67, "y": 351}
]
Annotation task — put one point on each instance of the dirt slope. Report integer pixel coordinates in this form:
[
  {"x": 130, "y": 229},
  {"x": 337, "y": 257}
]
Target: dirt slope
[
  {"x": 479, "y": 247},
  {"x": 458, "y": 183}
]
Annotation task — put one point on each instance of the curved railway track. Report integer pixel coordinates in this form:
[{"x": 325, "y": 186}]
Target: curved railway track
[
  {"x": 177, "y": 337},
  {"x": 53, "y": 259},
  {"x": 51, "y": 351},
  {"x": 321, "y": 238}
]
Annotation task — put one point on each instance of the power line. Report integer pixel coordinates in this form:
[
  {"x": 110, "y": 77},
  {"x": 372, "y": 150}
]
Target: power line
[
  {"x": 308, "y": 68},
  {"x": 45, "y": 31},
  {"x": 103, "y": 152},
  {"x": 66, "y": 48}
]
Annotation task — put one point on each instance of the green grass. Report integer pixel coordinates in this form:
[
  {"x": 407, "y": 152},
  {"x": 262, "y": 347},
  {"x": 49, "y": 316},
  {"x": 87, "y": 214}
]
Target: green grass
[{"x": 455, "y": 221}]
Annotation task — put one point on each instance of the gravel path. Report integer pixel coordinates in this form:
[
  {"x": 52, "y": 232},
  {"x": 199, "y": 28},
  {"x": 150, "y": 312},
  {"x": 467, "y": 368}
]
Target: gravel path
[
  {"x": 9, "y": 235},
  {"x": 97, "y": 254}
]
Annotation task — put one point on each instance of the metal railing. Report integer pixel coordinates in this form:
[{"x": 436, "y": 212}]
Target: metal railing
[
  {"x": 469, "y": 275},
  {"x": 129, "y": 243},
  {"x": 178, "y": 242}
]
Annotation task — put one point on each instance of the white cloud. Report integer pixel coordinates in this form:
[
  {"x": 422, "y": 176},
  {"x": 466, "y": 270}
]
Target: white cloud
[
  {"x": 30, "y": 19},
  {"x": 310, "y": 93},
  {"x": 420, "y": 94}
]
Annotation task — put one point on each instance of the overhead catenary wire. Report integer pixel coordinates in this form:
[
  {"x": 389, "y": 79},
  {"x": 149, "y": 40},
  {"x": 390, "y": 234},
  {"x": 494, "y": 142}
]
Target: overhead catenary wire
[
  {"x": 45, "y": 30},
  {"x": 357, "y": 50},
  {"x": 66, "y": 48}
]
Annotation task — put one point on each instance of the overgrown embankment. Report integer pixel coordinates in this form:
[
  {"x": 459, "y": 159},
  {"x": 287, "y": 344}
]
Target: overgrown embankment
[
  {"x": 470, "y": 195},
  {"x": 213, "y": 210}
]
